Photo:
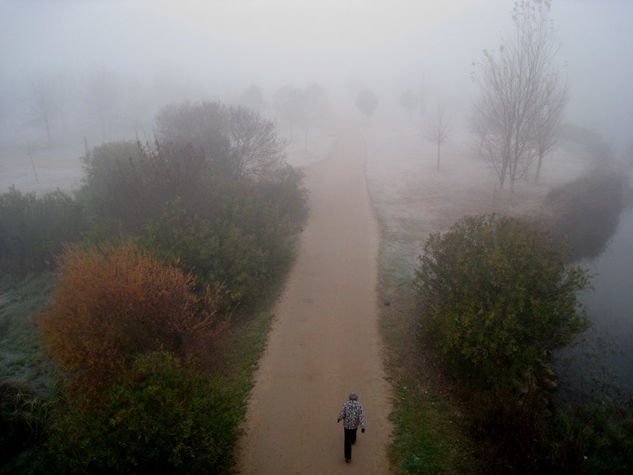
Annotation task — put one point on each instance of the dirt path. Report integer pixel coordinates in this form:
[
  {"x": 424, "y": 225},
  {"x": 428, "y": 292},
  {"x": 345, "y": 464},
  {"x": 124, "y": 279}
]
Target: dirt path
[{"x": 325, "y": 340}]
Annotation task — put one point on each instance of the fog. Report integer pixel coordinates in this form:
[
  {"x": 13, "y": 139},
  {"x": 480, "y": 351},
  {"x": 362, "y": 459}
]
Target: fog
[
  {"x": 149, "y": 53},
  {"x": 104, "y": 69}
]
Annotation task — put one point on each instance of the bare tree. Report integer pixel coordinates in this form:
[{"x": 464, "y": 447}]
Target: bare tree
[
  {"x": 548, "y": 121},
  {"x": 439, "y": 130},
  {"x": 45, "y": 102},
  {"x": 520, "y": 87}
]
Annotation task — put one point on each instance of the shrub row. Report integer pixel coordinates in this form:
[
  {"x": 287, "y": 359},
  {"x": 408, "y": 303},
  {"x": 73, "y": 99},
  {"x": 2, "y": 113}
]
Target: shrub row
[
  {"x": 170, "y": 239},
  {"x": 33, "y": 230}
]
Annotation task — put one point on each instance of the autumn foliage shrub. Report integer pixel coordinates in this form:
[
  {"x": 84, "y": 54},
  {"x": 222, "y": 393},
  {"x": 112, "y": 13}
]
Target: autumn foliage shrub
[
  {"x": 114, "y": 303},
  {"x": 160, "y": 416}
]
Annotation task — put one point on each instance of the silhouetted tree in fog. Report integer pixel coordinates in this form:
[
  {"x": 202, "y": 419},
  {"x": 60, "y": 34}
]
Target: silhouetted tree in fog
[
  {"x": 45, "y": 102},
  {"x": 439, "y": 130},
  {"x": 253, "y": 98},
  {"x": 289, "y": 102},
  {"x": 410, "y": 101},
  {"x": 366, "y": 102},
  {"x": 314, "y": 104},
  {"x": 522, "y": 97},
  {"x": 233, "y": 139},
  {"x": 101, "y": 98}
]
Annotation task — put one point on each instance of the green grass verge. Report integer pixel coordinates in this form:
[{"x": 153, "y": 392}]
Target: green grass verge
[
  {"x": 430, "y": 434},
  {"x": 238, "y": 354}
]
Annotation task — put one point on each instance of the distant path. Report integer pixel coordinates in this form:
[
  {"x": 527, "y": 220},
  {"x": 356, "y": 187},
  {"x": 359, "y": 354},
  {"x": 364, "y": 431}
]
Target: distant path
[{"x": 324, "y": 341}]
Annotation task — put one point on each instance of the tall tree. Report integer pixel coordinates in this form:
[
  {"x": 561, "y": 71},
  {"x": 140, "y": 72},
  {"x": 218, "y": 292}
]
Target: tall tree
[{"x": 520, "y": 88}]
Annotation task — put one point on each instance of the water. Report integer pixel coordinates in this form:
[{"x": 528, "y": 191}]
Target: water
[
  {"x": 610, "y": 303},
  {"x": 604, "y": 360}
]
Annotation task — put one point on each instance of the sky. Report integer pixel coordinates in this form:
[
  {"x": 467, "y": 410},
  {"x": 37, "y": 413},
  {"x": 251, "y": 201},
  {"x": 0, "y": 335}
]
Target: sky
[{"x": 218, "y": 47}]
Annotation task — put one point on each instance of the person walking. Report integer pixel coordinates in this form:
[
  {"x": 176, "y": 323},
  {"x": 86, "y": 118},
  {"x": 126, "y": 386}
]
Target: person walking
[{"x": 353, "y": 415}]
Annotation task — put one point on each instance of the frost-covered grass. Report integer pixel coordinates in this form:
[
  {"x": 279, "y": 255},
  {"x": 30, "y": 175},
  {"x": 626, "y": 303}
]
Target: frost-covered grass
[{"x": 21, "y": 299}]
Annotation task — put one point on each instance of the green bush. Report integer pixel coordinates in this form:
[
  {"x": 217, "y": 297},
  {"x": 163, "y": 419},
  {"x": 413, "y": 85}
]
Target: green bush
[
  {"x": 162, "y": 416},
  {"x": 237, "y": 235},
  {"x": 34, "y": 229},
  {"x": 131, "y": 183},
  {"x": 496, "y": 297}
]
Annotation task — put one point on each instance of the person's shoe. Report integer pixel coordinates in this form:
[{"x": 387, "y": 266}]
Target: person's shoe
[{"x": 348, "y": 460}]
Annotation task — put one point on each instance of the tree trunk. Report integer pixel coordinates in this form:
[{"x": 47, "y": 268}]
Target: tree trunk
[
  {"x": 438, "y": 156},
  {"x": 538, "y": 166}
]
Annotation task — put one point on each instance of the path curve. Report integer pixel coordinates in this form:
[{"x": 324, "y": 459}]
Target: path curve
[{"x": 324, "y": 341}]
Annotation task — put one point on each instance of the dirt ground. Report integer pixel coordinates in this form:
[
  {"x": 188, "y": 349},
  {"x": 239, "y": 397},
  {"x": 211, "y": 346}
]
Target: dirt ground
[{"x": 325, "y": 339}]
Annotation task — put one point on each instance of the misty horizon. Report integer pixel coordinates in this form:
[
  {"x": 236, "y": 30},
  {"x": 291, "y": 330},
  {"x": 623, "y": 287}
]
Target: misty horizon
[{"x": 155, "y": 53}]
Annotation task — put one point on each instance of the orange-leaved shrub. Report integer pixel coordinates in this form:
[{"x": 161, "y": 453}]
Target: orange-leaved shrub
[{"x": 114, "y": 303}]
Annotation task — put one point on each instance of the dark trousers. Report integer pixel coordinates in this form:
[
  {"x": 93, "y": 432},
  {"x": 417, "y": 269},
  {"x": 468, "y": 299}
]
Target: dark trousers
[{"x": 350, "y": 438}]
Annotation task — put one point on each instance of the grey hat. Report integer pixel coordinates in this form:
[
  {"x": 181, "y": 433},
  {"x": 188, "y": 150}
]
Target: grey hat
[{"x": 353, "y": 397}]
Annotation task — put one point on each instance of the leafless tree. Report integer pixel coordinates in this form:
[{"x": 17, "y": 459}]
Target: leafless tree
[
  {"x": 521, "y": 94},
  {"x": 45, "y": 102},
  {"x": 439, "y": 130},
  {"x": 548, "y": 122}
]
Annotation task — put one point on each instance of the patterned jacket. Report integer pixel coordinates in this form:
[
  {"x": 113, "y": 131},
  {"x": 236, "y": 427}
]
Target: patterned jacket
[{"x": 352, "y": 414}]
